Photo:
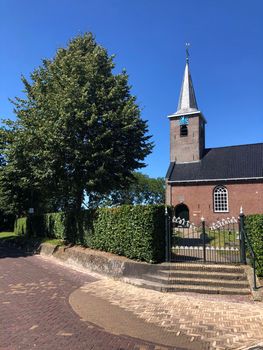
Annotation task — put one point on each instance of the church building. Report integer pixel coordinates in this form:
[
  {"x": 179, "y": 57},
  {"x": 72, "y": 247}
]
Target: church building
[{"x": 209, "y": 182}]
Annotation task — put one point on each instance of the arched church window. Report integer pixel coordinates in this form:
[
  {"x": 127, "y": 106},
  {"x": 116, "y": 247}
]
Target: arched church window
[
  {"x": 183, "y": 130},
  {"x": 220, "y": 199}
]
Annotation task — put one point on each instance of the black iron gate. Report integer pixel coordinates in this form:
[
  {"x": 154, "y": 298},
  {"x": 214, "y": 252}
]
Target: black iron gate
[{"x": 220, "y": 242}]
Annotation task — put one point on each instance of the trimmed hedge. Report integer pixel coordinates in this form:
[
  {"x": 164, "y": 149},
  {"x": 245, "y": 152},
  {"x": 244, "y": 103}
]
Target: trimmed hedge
[
  {"x": 20, "y": 227},
  {"x": 254, "y": 228},
  {"x": 137, "y": 232}
]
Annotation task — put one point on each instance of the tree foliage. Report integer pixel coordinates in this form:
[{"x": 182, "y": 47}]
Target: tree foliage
[
  {"x": 78, "y": 130},
  {"x": 142, "y": 189}
]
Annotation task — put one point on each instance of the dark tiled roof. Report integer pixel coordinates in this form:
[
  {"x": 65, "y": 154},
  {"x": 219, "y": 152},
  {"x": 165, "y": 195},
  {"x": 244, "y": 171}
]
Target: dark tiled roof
[{"x": 225, "y": 163}]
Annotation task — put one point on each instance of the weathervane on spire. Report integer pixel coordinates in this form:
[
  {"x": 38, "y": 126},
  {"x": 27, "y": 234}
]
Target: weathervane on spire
[{"x": 187, "y": 45}]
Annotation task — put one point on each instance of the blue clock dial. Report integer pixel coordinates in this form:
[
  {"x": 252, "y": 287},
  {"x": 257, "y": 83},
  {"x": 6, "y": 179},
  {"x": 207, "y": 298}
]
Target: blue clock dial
[{"x": 184, "y": 121}]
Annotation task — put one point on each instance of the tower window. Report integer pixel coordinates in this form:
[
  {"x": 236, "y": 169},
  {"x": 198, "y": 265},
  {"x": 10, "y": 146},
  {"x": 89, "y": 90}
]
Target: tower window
[
  {"x": 183, "y": 130},
  {"x": 220, "y": 199}
]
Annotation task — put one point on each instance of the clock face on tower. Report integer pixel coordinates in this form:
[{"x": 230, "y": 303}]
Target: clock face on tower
[{"x": 184, "y": 121}]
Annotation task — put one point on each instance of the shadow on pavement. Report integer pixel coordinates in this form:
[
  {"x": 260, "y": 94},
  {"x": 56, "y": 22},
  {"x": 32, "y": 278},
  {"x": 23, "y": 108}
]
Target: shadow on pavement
[{"x": 10, "y": 250}]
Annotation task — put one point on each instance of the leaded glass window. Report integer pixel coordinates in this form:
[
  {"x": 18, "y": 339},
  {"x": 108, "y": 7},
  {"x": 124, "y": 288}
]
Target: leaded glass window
[{"x": 221, "y": 199}]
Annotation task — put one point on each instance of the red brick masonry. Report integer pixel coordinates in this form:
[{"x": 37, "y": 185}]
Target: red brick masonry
[{"x": 199, "y": 199}]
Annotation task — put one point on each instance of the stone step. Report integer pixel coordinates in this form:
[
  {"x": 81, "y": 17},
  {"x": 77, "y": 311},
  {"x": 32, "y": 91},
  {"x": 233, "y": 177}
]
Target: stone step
[
  {"x": 202, "y": 267},
  {"x": 161, "y": 287},
  {"x": 239, "y": 276},
  {"x": 196, "y": 281},
  {"x": 209, "y": 290}
]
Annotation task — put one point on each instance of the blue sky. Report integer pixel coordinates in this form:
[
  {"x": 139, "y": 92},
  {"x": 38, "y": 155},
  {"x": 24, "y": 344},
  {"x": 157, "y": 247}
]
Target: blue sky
[{"x": 148, "y": 38}]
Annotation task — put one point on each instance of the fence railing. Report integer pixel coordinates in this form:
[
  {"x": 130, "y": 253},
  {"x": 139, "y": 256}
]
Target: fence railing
[{"x": 225, "y": 241}]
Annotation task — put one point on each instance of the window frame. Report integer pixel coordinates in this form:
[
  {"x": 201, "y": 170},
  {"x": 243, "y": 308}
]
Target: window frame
[{"x": 220, "y": 199}]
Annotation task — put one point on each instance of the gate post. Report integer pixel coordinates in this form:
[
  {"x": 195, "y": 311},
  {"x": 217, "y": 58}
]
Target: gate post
[
  {"x": 242, "y": 237},
  {"x": 204, "y": 237},
  {"x": 167, "y": 236}
]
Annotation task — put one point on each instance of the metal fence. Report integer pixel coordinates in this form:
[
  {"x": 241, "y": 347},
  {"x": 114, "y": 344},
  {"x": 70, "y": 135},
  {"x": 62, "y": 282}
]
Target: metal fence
[
  {"x": 222, "y": 242},
  {"x": 219, "y": 242}
]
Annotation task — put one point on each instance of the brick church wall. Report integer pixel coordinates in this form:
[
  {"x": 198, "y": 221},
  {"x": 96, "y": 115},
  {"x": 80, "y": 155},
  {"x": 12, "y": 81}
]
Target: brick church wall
[{"x": 199, "y": 199}]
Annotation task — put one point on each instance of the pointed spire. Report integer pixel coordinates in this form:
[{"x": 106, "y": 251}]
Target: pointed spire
[
  {"x": 187, "y": 101},
  {"x": 187, "y": 45}
]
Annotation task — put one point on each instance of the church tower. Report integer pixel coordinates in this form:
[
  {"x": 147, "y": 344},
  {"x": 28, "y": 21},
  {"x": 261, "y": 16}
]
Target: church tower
[{"x": 187, "y": 124}]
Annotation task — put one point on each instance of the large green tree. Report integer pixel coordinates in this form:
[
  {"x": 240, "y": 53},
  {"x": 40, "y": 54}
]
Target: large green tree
[{"x": 78, "y": 130}]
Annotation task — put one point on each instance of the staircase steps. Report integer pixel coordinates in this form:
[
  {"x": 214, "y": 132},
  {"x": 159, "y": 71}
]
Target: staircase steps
[
  {"x": 198, "y": 281},
  {"x": 202, "y": 267},
  {"x": 203, "y": 274},
  {"x": 240, "y": 276},
  {"x": 161, "y": 287},
  {"x": 196, "y": 278}
]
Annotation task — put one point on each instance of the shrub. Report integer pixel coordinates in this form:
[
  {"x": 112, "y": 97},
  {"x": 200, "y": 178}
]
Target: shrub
[
  {"x": 20, "y": 227},
  {"x": 137, "y": 232},
  {"x": 54, "y": 225},
  {"x": 254, "y": 227}
]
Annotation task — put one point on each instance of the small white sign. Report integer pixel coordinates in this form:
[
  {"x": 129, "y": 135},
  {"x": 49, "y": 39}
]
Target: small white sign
[{"x": 31, "y": 210}]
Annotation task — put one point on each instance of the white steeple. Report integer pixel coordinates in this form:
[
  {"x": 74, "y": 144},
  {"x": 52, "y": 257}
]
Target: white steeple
[{"x": 187, "y": 101}]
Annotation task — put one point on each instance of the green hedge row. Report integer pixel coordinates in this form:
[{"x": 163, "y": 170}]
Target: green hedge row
[
  {"x": 254, "y": 229},
  {"x": 137, "y": 232}
]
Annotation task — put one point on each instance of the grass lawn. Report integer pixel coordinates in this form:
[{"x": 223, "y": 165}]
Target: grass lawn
[
  {"x": 10, "y": 236},
  {"x": 7, "y": 235},
  {"x": 223, "y": 239}
]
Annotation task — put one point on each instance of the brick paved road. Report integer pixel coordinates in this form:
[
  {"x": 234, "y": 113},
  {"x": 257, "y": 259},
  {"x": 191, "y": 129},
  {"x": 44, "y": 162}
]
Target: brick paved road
[
  {"x": 208, "y": 321},
  {"x": 35, "y": 312}
]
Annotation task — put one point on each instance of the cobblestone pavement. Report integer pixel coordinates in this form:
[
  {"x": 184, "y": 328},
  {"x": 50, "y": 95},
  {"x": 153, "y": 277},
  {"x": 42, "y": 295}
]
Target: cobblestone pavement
[
  {"x": 35, "y": 312},
  {"x": 223, "y": 324}
]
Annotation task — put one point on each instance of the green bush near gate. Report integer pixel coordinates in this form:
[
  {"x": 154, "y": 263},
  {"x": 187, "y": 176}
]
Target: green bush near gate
[
  {"x": 137, "y": 232},
  {"x": 254, "y": 229}
]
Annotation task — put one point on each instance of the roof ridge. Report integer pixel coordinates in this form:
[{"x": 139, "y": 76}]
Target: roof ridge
[{"x": 245, "y": 144}]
